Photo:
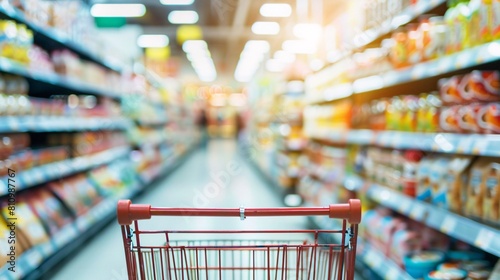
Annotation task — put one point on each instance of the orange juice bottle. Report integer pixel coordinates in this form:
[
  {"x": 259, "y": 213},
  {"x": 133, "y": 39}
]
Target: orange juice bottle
[
  {"x": 449, "y": 18},
  {"x": 462, "y": 24}
]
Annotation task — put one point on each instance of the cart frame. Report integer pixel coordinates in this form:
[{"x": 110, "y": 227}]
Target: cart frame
[{"x": 339, "y": 257}]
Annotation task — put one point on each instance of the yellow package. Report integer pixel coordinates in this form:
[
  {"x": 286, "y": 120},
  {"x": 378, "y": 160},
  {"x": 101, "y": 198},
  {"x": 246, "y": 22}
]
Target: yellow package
[
  {"x": 11, "y": 246},
  {"x": 456, "y": 181},
  {"x": 495, "y": 20},
  {"x": 491, "y": 205}
]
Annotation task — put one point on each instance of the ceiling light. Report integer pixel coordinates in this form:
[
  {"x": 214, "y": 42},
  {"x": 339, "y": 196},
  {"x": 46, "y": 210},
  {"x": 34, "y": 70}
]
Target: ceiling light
[
  {"x": 183, "y": 17},
  {"x": 266, "y": 28},
  {"x": 274, "y": 65},
  {"x": 194, "y": 46},
  {"x": 299, "y": 46},
  {"x": 152, "y": 41},
  {"x": 276, "y": 10},
  {"x": 309, "y": 31},
  {"x": 260, "y": 46},
  {"x": 177, "y": 2},
  {"x": 283, "y": 56},
  {"x": 118, "y": 10}
]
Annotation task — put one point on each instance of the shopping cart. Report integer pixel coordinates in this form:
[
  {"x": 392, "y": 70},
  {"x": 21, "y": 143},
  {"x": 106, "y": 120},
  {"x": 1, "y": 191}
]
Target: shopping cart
[{"x": 230, "y": 258}]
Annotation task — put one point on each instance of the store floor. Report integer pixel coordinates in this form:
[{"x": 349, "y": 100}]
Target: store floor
[{"x": 190, "y": 185}]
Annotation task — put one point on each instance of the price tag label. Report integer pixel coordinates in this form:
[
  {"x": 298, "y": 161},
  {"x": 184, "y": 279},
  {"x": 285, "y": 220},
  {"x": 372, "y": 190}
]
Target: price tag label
[
  {"x": 484, "y": 238},
  {"x": 418, "y": 72},
  {"x": 449, "y": 224},
  {"x": 444, "y": 65},
  {"x": 480, "y": 146},
  {"x": 465, "y": 144},
  {"x": 46, "y": 249},
  {"x": 417, "y": 211},
  {"x": 27, "y": 179},
  {"x": 463, "y": 59}
]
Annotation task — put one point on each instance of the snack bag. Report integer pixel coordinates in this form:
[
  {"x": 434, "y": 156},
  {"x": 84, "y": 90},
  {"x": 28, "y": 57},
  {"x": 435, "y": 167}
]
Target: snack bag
[
  {"x": 438, "y": 175},
  {"x": 491, "y": 204},
  {"x": 475, "y": 190},
  {"x": 483, "y": 86},
  {"x": 455, "y": 183},
  {"x": 449, "y": 119},
  {"x": 468, "y": 118},
  {"x": 488, "y": 118},
  {"x": 424, "y": 187}
]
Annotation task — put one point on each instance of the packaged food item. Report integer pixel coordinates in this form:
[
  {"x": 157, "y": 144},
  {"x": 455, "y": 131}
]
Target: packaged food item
[
  {"x": 399, "y": 54},
  {"x": 451, "y": 192},
  {"x": 10, "y": 239},
  {"x": 450, "y": 90},
  {"x": 474, "y": 265},
  {"x": 438, "y": 33},
  {"x": 488, "y": 118},
  {"x": 491, "y": 203},
  {"x": 414, "y": 43},
  {"x": 453, "y": 34},
  {"x": 424, "y": 30},
  {"x": 437, "y": 176},
  {"x": 495, "y": 20},
  {"x": 424, "y": 186},
  {"x": 483, "y": 86},
  {"x": 28, "y": 223},
  {"x": 49, "y": 209},
  {"x": 474, "y": 24},
  {"x": 449, "y": 274},
  {"x": 409, "y": 118},
  {"x": 468, "y": 118},
  {"x": 462, "y": 21},
  {"x": 475, "y": 189},
  {"x": 419, "y": 264},
  {"x": 449, "y": 119},
  {"x": 482, "y": 274},
  {"x": 485, "y": 21},
  {"x": 409, "y": 174},
  {"x": 449, "y": 265}
]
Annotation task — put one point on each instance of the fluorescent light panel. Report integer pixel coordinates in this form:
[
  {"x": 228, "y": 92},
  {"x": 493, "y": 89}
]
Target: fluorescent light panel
[
  {"x": 266, "y": 28},
  {"x": 276, "y": 10},
  {"x": 177, "y": 2},
  {"x": 309, "y": 31},
  {"x": 183, "y": 17},
  {"x": 299, "y": 46},
  {"x": 152, "y": 41},
  {"x": 118, "y": 10}
]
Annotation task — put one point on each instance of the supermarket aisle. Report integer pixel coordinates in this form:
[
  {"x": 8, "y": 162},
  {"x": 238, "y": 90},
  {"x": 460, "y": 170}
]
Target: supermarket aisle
[{"x": 191, "y": 185}]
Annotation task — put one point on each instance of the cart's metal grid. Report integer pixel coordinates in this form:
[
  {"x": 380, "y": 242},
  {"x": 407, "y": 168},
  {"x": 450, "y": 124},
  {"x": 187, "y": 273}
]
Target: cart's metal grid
[{"x": 230, "y": 258}]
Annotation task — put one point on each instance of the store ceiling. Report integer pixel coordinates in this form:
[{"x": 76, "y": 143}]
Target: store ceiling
[{"x": 226, "y": 24}]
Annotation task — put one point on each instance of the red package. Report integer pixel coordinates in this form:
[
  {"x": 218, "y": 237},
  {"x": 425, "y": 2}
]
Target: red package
[
  {"x": 488, "y": 118},
  {"x": 484, "y": 85},
  {"x": 452, "y": 90},
  {"x": 467, "y": 118}
]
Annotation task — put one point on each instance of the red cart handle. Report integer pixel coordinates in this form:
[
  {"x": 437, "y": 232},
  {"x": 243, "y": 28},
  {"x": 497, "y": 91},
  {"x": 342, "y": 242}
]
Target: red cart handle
[{"x": 128, "y": 212}]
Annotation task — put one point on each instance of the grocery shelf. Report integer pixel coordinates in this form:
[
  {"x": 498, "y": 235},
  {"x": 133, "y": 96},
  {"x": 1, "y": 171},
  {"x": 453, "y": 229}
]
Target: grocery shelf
[
  {"x": 486, "y": 53},
  {"x": 52, "y": 171},
  {"x": 408, "y": 14},
  {"x": 54, "y": 79},
  {"x": 462, "y": 228},
  {"x": 29, "y": 262},
  {"x": 52, "y": 39},
  {"x": 450, "y": 143},
  {"x": 373, "y": 258},
  {"x": 483, "y": 54},
  {"x": 58, "y": 124}
]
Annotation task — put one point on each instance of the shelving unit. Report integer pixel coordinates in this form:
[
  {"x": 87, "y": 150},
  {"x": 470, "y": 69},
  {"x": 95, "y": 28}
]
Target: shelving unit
[
  {"x": 60, "y": 124},
  {"x": 462, "y": 228},
  {"x": 449, "y": 143},
  {"x": 373, "y": 258},
  {"x": 480, "y": 55},
  {"x": 54, "y": 81},
  {"x": 52, "y": 171},
  {"x": 54, "y": 39},
  {"x": 31, "y": 260}
]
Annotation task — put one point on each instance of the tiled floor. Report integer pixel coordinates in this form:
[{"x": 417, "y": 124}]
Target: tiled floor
[{"x": 191, "y": 185}]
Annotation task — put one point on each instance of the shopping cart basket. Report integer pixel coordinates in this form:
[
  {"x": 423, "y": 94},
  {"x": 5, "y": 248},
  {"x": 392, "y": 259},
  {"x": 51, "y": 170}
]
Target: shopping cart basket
[{"x": 233, "y": 259}]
